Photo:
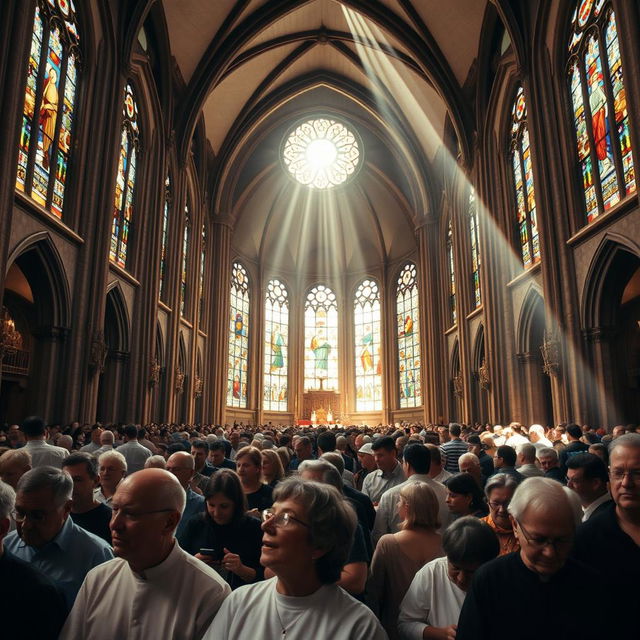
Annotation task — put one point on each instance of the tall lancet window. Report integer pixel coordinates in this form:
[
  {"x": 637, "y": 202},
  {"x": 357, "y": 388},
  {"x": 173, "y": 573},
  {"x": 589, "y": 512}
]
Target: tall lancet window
[
  {"x": 523, "y": 182},
  {"x": 453, "y": 308},
  {"x": 237, "y": 375},
  {"x": 368, "y": 357},
  {"x": 474, "y": 237},
  {"x": 276, "y": 346},
  {"x": 125, "y": 180},
  {"x": 203, "y": 259},
  {"x": 321, "y": 339},
  {"x": 184, "y": 271},
  {"x": 165, "y": 238},
  {"x": 408, "y": 337},
  {"x": 48, "y": 115},
  {"x": 600, "y": 118}
]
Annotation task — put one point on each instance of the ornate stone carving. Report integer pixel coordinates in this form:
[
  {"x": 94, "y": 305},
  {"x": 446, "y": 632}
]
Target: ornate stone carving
[
  {"x": 154, "y": 372},
  {"x": 98, "y": 355},
  {"x": 179, "y": 386},
  {"x": 10, "y": 337},
  {"x": 483, "y": 376},
  {"x": 197, "y": 387},
  {"x": 458, "y": 385},
  {"x": 550, "y": 351}
]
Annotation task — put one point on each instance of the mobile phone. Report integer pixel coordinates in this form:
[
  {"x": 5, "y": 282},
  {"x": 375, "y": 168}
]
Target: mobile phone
[{"x": 214, "y": 553}]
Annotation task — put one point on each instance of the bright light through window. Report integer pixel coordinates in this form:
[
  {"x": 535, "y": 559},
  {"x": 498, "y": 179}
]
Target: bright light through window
[{"x": 321, "y": 153}]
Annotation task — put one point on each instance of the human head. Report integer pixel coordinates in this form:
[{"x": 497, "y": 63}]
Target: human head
[
  {"x": 7, "y": 503},
  {"x": 600, "y": 450},
  {"x": 624, "y": 472},
  {"x": 33, "y": 427},
  {"x": 385, "y": 453},
  {"x": 131, "y": 432},
  {"x": 536, "y": 432},
  {"x": 321, "y": 544},
  {"x": 418, "y": 506},
  {"x": 272, "y": 469},
  {"x": 321, "y": 471},
  {"x": 416, "y": 459},
  {"x": 326, "y": 442},
  {"x": 182, "y": 465},
  {"x": 155, "y": 462},
  {"x": 302, "y": 448},
  {"x": 43, "y": 503},
  {"x": 106, "y": 438},
  {"x": 146, "y": 510},
  {"x": 366, "y": 458},
  {"x": 470, "y": 463},
  {"x": 587, "y": 476},
  {"x": 224, "y": 497},
  {"x": 526, "y": 454},
  {"x": 199, "y": 451},
  {"x": 618, "y": 430},
  {"x": 217, "y": 451},
  {"x": 65, "y": 441},
  {"x": 464, "y": 496},
  {"x": 335, "y": 459},
  {"x": 548, "y": 457},
  {"x": 574, "y": 432},
  {"x": 468, "y": 543},
  {"x": 474, "y": 444},
  {"x": 435, "y": 465},
  {"x": 544, "y": 516},
  {"x": 83, "y": 469},
  {"x": 499, "y": 491},
  {"x": 13, "y": 465},
  {"x": 455, "y": 430},
  {"x": 505, "y": 456},
  {"x": 112, "y": 467},
  {"x": 249, "y": 464}
]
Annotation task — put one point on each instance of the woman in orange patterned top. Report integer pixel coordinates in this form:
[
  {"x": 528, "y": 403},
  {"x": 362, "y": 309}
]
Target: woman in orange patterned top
[{"x": 499, "y": 491}]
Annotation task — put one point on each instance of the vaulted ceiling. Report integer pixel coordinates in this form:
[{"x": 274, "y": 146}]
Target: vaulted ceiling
[{"x": 394, "y": 70}]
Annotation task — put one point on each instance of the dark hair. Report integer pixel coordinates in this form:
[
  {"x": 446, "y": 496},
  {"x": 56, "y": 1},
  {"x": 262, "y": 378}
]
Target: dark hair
[
  {"x": 454, "y": 429},
  {"x": 33, "y": 426},
  {"x": 593, "y": 466},
  {"x": 387, "y": 443},
  {"x": 131, "y": 431},
  {"x": 468, "y": 540},
  {"x": 327, "y": 442},
  {"x": 82, "y": 458},
  {"x": 226, "y": 482},
  {"x": 217, "y": 445},
  {"x": 598, "y": 446},
  {"x": 418, "y": 457},
  {"x": 466, "y": 485},
  {"x": 199, "y": 444},
  {"x": 507, "y": 453},
  {"x": 574, "y": 431}
]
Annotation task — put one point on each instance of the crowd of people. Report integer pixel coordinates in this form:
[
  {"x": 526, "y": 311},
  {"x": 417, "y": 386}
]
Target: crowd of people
[{"x": 400, "y": 531}]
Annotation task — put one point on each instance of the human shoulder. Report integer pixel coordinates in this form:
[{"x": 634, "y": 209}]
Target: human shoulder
[{"x": 206, "y": 577}]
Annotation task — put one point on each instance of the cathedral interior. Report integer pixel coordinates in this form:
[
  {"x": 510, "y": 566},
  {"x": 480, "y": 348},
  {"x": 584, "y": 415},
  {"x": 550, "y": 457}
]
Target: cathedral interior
[{"x": 336, "y": 211}]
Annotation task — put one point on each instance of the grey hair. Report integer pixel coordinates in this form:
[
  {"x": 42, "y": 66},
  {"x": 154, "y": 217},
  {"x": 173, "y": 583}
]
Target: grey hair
[
  {"x": 527, "y": 451},
  {"x": 58, "y": 481},
  {"x": 330, "y": 475},
  {"x": 469, "y": 456},
  {"x": 15, "y": 455},
  {"x": 548, "y": 452},
  {"x": 331, "y": 519},
  {"x": 106, "y": 437},
  {"x": 335, "y": 459},
  {"x": 498, "y": 481},
  {"x": 468, "y": 540},
  {"x": 113, "y": 455},
  {"x": 156, "y": 462},
  {"x": 631, "y": 440},
  {"x": 7, "y": 499},
  {"x": 545, "y": 493}
]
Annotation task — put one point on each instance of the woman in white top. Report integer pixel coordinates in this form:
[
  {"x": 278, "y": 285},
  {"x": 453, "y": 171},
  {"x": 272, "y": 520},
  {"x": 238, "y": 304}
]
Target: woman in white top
[{"x": 432, "y": 605}]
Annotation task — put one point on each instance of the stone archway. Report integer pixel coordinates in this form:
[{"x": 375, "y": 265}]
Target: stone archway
[{"x": 479, "y": 388}]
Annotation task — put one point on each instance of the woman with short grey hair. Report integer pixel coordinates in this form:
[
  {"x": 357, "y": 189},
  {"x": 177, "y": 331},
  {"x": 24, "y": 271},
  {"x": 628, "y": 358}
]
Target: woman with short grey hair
[{"x": 499, "y": 491}]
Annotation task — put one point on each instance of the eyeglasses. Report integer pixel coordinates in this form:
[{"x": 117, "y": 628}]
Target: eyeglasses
[
  {"x": 135, "y": 516},
  {"x": 540, "y": 543},
  {"x": 281, "y": 520},
  {"x": 619, "y": 474},
  {"x": 499, "y": 505},
  {"x": 35, "y": 516}
]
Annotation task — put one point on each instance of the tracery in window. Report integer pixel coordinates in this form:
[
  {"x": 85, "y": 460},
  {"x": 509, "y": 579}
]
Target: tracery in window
[
  {"x": 186, "y": 239},
  {"x": 276, "y": 346},
  {"x": 237, "y": 371},
  {"x": 203, "y": 258},
  {"x": 321, "y": 339},
  {"x": 165, "y": 233},
  {"x": 474, "y": 235},
  {"x": 48, "y": 116},
  {"x": 368, "y": 357},
  {"x": 453, "y": 309},
  {"x": 408, "y": 337}
]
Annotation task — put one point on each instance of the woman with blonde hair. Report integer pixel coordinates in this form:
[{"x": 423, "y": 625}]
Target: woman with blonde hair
[
  {"x": 400, "y": 555},
  {"x": 272, "y": 470}
]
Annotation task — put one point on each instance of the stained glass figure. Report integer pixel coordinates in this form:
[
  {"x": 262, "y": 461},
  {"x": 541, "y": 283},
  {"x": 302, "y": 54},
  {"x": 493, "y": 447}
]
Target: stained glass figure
[
  {"x": 408, "y": 337},
  {"x": 165, "y": 238},
  {"x": 598, "y": 98},
  {"x": 321, "y": 339},
  {"x": 367, "y": 346},
  {"x": 48, "y": 115},
  {"x": 237, "y": 371},
  {"x": 474, "y": 236},
  {"x": 453, "y": 308},
  {"x": 203, "y": 258},
  {"x": 186, "y": 238},
  {"x": 276, "y": 345}
]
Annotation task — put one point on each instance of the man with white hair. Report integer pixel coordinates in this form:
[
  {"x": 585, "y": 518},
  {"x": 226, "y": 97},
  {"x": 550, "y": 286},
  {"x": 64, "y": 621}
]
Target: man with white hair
[
  {"x": 112, "y": 468},
  {"x": 507, "y": 595},
  {"x": 537, "y": 437},
  {"x": 28, "y": 597},
  {"x": 13, "y": 465},
  {"x": 106, "y": 443},
  {"x": 152, "y": 589},
  {"x": 182, "y": 465},
  {"x": 550, "y": 464},
  {"x": 470, "y": 463}
]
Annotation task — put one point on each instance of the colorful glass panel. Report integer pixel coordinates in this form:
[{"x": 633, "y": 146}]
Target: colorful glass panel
[
  {"x": 185, "y": 261},
  {"x": 49, "y": 103},
  {"x": 408, "y": 337},
  {"x": 474, "y": 234},
  {"x": 368, "y": 356},
  {"x": 453, "y": 309},
  {"x": 321, "y": 339},
  {"x": 237, "y": 375},
  {"x": 203, "y": 259},
  {"x": 165, "y": 233},
  {"x": 276, "y": 347}
]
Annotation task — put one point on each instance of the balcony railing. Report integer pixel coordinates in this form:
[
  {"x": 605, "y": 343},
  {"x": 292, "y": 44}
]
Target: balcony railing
[{"x": 16, "y": 362}]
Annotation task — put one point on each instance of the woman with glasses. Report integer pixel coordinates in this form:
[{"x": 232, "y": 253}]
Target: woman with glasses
[
  {"x": 465, "y": 497},
  {"x": 306, "y": 541},
  {"x": 499, "y": 491},
  {"x": 224, "y": 537}
]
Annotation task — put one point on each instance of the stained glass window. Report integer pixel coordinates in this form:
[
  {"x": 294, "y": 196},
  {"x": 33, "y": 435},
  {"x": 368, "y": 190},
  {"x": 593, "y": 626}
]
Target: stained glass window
[
  {"x": 321, "y": 153},
  {"x": 203, "y": 258},
  {"x": 600, "y": 117},
  {"x": 474, "y": 235},
  {"x": 276, "y": 346},
  {"x": 186, "y": 235},
  {"x": 321, "y": 339},
  {"x": 165, "y": 234},
  {"x": 48, "y": 115},
  {"x": 453, "y": 310},
  {"x": 238, "y": 338},
  {"x": 523, "y": 182},
  {"x": 408, "y": 323},
  {"x": 368, "y": 357},
  {"x": 125, "y": 180}
]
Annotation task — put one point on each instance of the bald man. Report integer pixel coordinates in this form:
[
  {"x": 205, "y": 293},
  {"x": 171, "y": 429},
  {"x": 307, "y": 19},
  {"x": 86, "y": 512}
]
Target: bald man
[
  {"x": 183, "y": 467},
  {"x": 152, "y": 589}
]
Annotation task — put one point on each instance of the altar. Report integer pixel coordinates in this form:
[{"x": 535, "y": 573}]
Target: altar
[{"x": 321, "y": 407}]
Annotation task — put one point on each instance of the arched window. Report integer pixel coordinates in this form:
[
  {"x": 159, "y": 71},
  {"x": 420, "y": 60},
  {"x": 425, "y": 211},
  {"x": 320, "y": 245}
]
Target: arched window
[
  {"x": 165, "y": 236},
  {"x": 366, "y": 319},
  {"x": 474, "y": 236},
  {"x": 238, "y": 338},
  {"x": 453, "y": 310},
  {"x": 203, "y": 258},
  {"x": 186, "y": 236},
  {"x": 125, "y": 180},
  {"x": 49, "y": 104},
  {"x": 408, "y": 322},
  {"x": 600, "y": 118},
  {"x": 523, "y": 182},
  {"x": 321, "y": 339},
  {"x": 276, "y": 346}
]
